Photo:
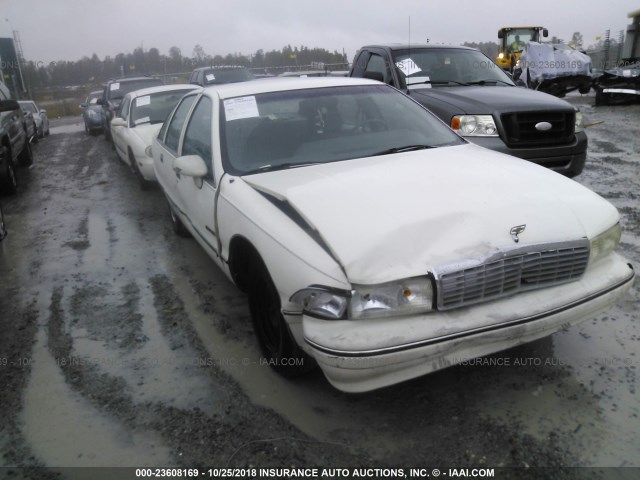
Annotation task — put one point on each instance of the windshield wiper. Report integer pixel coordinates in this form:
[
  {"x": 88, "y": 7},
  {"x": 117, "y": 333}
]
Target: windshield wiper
[
  {"x": 407, "y": 148},
  {"x": 485, "y": 82},
  {"x": 279, "y": 166}
]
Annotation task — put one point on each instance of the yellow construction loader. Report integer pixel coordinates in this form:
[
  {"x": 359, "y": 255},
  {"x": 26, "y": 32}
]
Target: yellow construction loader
[{"x": 512, "y": 43}]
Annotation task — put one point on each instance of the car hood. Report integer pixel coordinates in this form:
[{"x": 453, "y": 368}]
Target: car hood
[
  {"x": 147, "y": 132},
  {"x": 397, "y": 216},
  {"x": 478, "y": 100}
]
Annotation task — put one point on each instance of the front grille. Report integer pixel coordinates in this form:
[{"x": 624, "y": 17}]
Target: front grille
[
  {"x": 520, "y": 128},
  {"x": 529, "y": 268}
]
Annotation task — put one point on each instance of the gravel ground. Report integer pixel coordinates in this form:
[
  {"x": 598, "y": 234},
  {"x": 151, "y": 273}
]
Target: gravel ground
[{"x": 124, "y": 346}]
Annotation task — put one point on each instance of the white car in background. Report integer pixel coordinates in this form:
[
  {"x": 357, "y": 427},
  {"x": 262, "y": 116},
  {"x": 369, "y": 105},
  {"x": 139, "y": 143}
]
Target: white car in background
[
  {"x": 39, "y": 117},
  {"x": 373, "y": 239},
  {"x": 138, "y": 120}
]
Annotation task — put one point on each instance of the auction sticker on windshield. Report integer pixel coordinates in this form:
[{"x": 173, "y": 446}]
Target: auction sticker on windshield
[
  {"x": 408, "y": 67},
  {"x": 241, "y": 107},
  {"x": 142, "y": 101}
]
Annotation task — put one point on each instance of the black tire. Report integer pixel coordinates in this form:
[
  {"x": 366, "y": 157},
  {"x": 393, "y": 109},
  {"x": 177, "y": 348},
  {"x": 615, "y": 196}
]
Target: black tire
[
  {"x": 36, "y": 137},
  {"x": 107, "y": 132},
  {"x": 178, "y": 226},
  {"x": 87, "y": 130},
  {"x": 46, "y": 134},
  {"x": 8, "y": 178},
  {"x": 276, "y": 342},
  {"x": 26, "y": 155},
  {"x": 3, "y": 228},
  {"x": 601, "y": 97}
]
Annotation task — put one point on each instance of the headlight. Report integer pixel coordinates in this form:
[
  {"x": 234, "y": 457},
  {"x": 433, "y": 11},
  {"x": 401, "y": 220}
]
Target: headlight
[
  {"x": 404, "y": 297},
  {"x": 579, "y": 121},
  {"x": 605, "y": 243},
  {"x": 501, "y": 55},
  {"x": 474, "y": 125},
  {"x": 322, "y": 303}
]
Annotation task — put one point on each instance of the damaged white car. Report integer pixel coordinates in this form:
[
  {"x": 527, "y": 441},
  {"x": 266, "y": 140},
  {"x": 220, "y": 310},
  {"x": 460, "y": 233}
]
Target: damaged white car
[{"x": 373, "y": 240}]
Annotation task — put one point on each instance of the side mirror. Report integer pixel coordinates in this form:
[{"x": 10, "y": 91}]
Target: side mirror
[
  {"x": 545, "y": 32},
  {"x": 118, "y": 122},
  {"x": 500, "y": 34},
  {"x": 190, "y": 165}
]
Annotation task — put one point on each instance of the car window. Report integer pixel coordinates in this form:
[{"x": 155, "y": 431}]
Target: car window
[
  {"x": 377, "y": 64},
  {"x": 123, "y": 110},
  {"x": 175, "y": 126},
  {"x": 197, "y": 137},
  {"x": 435, "y": 67},
  {"x": 285, "y": 129},
  {"x": 155, "y": 107}
]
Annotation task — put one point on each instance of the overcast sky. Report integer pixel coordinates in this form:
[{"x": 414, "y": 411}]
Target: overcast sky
[{"x": 70, "y": 29}]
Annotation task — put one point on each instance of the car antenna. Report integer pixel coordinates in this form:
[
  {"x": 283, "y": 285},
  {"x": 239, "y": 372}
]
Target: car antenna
[{"x": 409, "y": 55}]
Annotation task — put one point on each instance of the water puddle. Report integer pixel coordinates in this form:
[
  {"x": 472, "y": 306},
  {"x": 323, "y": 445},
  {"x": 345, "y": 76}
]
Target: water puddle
[{"x": 64, "y": 429}]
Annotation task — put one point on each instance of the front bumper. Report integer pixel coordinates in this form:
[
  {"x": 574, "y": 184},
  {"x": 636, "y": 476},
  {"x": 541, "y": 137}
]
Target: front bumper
[
  {"x": 568, "y": 159},
  {"x": 363, "y": 355}
]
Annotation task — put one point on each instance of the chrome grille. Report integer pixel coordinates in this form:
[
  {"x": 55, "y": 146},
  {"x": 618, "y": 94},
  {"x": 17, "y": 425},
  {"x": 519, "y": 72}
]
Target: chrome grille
[{"x": 516, "y": 271}]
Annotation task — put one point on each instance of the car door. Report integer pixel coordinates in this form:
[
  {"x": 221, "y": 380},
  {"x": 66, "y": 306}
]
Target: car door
[
  {"x": 198, "y": 195},
  {"x": 168, "y": 143},
  {"x": 119, "y": 133}
]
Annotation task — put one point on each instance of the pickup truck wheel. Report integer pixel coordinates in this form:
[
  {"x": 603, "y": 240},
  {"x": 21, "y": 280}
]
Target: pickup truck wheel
[
  {"x": 26, "y": 155},
  {"x": 178, "y": 226},
  {"x": 277, "y": 344},
  {"x": 8, "y": 179}
]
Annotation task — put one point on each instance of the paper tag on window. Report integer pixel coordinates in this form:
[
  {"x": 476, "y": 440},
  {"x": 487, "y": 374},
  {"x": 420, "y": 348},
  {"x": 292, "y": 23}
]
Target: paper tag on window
[
  {"x": 115, "y": 86},
  {"x": 408, "y": 67},
  {"x": 210, "y": 77},
  {"x": 626, "y": 73},
  {"x": 242, "y": 107},
  {"x": 142, "y": 101}
]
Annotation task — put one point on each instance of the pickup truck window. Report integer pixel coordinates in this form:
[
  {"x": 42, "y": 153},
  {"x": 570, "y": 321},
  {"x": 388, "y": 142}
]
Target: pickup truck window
[
  {"x": 300, "y": 127},
  {"x": 377, "y": 64},
  {"x": 425, "y": 68}
]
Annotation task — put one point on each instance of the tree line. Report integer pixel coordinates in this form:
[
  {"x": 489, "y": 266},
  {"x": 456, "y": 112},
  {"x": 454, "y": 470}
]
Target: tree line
[{"x": 93, "y": 70}]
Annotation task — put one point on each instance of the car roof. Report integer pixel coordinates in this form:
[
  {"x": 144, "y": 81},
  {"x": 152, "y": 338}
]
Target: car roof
[
  {"x": 279, "y": 84},
  {"x": 220, "y": 67},
  {"x": 162, "y": 88},
  {"x": 421, "y": 46}
]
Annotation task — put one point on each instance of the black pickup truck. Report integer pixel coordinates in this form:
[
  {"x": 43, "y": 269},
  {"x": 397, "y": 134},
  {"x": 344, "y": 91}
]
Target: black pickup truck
[
  {"x": 14, "y": 141},
  {"x": 472, "y": 95}
]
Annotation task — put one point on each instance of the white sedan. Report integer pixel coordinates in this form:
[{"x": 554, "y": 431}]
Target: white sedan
[
  {"x": 370, "y": 238},
  {"x": 138, "y": 120}
]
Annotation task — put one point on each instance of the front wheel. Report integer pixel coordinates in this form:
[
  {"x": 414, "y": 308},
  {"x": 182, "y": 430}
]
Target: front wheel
[
  {"x": 26, "y": 155},
  {"x": 276, "y": 342},
  {"x": 3, "y": 228},
  {"x": 144, "y": 184},
  {"x": 8, "y": 179}
]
